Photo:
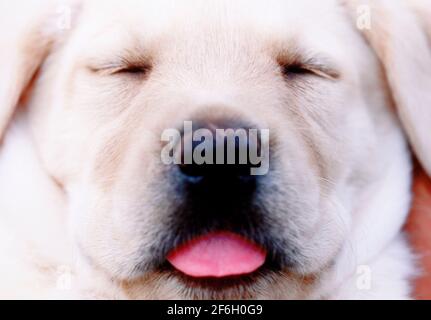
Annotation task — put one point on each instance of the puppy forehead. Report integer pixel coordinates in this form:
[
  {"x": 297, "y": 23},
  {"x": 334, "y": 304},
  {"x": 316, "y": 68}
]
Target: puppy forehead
[
  {"x": 165, "y": 11},
  {"x": 311, "y": 21}
]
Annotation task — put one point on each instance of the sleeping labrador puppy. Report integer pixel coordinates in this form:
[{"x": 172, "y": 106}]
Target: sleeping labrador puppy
[{"x": 89, "y": 209}]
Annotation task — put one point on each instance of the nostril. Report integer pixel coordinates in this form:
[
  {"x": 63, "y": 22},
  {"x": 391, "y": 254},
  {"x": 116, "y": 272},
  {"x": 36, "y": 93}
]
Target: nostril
[
  {"x": 193, "y": 167},
  {"x": 218, "y": 152}
]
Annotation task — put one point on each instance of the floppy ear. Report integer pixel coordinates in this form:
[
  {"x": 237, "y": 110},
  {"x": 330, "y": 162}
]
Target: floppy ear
[
  {"x": 27, "y": 31},
  {"x": 400, "y": 34}
]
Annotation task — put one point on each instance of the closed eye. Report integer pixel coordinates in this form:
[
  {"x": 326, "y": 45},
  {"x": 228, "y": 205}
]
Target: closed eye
[
  {"x": 299, "y": 69},
  {"x": 295, "y": 69},
  {"x": 134, "y": 70},
  {"x": 299, "y": 66},
  {"x": 121, "y": 66}
]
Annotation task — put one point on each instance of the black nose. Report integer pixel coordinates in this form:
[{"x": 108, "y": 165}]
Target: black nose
[{"x": 219, "y": 150}]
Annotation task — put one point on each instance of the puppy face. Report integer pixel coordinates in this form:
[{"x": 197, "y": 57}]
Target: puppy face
[{"x": 127, "y": 72}]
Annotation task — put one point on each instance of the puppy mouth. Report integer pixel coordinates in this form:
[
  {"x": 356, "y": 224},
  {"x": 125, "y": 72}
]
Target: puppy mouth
[{"x": 218, "y": 255}]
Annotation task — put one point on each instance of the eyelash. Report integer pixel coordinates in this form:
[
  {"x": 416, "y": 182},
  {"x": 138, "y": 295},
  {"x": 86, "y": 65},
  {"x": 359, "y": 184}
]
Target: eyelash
[
  {"x": 131, "y": 70},
  {"x": 134, "y": 70},
  {"x": 296, "y": 70}
]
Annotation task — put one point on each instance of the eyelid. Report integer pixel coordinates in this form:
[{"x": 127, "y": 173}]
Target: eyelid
[
  {"x": 115, "y": 68},
  {"x": 322, "y": 71},
  {"x": 104, "y": 69},
  {"x": 118, "y": 63},
  {"x": 317, "y": 65}
]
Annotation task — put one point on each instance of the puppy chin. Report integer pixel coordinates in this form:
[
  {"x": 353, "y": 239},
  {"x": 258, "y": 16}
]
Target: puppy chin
[{"x": 173, "y": 286}]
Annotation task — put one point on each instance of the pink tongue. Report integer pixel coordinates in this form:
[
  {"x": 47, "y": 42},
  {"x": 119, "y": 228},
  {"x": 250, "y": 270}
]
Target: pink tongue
[{"x": 218, "y": 255}]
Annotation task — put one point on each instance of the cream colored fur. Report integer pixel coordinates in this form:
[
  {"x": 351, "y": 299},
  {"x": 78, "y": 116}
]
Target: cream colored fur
[{"x": 74, "y": 215}]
